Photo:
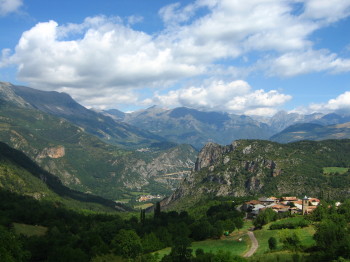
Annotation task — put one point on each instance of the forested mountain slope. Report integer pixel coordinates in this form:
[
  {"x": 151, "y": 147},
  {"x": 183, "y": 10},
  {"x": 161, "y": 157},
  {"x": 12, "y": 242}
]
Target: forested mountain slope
[
  {"x": 257, "y": 167},
  {"x": 19, "y": 174}
]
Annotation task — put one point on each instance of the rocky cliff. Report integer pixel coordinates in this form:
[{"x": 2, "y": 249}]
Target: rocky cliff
[{"x": 256, "y": 167}]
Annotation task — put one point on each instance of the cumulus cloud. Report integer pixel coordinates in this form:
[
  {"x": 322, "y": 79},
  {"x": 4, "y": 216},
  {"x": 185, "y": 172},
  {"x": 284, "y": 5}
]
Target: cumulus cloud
[
  {"x": 104, "y": 57},
  {"x": 235, "y": 97},
  {"x": 326, "y": 11},
  {"x": 234, "y": 28},
  {"x": 9, "y": 6},
  {"x": 339, "y": 104},
  {"x": 303, "y": 62}
]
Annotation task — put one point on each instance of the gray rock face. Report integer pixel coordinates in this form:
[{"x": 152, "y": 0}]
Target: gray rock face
[
  {"x": 239, "y": 169},
  {"x": 197, "y": 128},
  {"x": 211, "y": 153},
  {"x": 9, "y": 96}
]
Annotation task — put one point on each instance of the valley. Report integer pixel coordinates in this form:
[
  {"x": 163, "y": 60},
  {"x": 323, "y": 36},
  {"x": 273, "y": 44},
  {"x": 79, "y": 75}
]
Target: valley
[{"x": 169, "y": 186}]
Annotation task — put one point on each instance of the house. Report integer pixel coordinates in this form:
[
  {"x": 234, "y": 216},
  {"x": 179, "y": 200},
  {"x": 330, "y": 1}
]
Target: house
[
  {"x": 267, "y": 200},
  {"x": 289, "y": 199},
  {"x": 248, "y": 206},
  {"x": 310, "y": 209},
  {"x": 298, "y": 204},
  {"x": 274, "y": 199},
  {"x": 257, "y": 208},
  {"x": 314, "y": 201},
  {"x": 280, "y": 208}
]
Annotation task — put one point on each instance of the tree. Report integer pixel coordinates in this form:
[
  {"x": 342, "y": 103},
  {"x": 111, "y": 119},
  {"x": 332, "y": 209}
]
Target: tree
[
  {"x": 11, "y": 249},
  {"x": 157, "y": 210},
  {"x": 150, "y": 243},
  {"x": 142, "y": 216},
  {"x": 201, "y": 230},
  {"x": 264, "y": 217},
  {"x": 272, "y": 243},
  {"x": 290, "y": 239},
  {"x": 332, "y": 237},
  {"x": 127, "y": 244},
  {"x": 181, "y": 251}
]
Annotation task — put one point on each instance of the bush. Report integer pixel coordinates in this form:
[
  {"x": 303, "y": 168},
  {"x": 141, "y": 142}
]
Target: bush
[
  {"x": 292, "y": 223},
  {"x": 272, "y": 243}
]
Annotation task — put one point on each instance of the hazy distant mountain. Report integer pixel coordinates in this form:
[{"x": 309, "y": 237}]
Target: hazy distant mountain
[
  {"x": 332, "y": 119},
  {"x": 283, "y": 119},
  {"x": 83, "y": 161},
  {"x": 115, "y": 114},
  {"x": 190, "y": 126},
  {"x": 185, "y": 125},
  {"x": 311, "y": 131},
  {"x": 106, "y": 128}
]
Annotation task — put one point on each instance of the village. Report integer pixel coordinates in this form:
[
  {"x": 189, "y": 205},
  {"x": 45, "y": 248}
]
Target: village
[
  {"x": 290, "y": 204},
  {"x": 145, "y": 198}
]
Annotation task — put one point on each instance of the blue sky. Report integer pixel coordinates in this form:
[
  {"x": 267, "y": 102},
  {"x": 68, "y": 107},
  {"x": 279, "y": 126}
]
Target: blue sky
[{"x": 252, "y": 57}]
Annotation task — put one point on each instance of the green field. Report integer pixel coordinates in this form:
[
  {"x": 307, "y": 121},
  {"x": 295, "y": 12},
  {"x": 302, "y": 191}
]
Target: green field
[
  {"x": 263, "y": 253},
  {"x": 339, "y": 170},
  {"x": 143, "y": 206},
  {"x": 230, "y": 243},
  {"x": 279, "y": 256},
  {"x": 29, "y": 230},
  {"x": 264, "y": 234}
]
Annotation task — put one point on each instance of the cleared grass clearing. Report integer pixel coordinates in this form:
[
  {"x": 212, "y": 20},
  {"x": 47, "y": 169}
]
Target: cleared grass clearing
[
  {"x": 230, "y": 243},
  {"x": 143, "y": 206},
  {"x": 339, "y": 170},
  {"x": 29, "y": 230},
  {"x": 279, "y": 256},
  {"x": 306, "y": 237}
]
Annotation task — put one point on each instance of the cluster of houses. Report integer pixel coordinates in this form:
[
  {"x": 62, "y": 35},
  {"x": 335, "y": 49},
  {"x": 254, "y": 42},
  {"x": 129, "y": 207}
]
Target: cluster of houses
[
  {"x": 148, "y": 198},
  {"x": 284, "y": 204}
]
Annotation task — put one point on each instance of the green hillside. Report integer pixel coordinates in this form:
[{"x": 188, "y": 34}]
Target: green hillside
[
  {"x": 257, "y": 167},
  {"x": 18, "y": 174},
  {"x": 84, "y": 162},
  {"x": 310, "y": 131},
  {"x": 95, "y": 123}
]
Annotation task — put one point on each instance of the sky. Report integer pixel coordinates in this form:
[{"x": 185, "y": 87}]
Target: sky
[{"x": 252, "y": 57}]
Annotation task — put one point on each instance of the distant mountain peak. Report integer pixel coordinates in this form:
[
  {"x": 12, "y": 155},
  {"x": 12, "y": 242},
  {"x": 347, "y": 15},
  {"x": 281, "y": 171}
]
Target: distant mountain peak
[{"x": 7, "y": 95}]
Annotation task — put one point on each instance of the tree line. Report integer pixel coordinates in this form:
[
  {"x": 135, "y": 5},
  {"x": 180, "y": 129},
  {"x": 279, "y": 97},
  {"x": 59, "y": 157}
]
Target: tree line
[{"x": 79, "y": 236}]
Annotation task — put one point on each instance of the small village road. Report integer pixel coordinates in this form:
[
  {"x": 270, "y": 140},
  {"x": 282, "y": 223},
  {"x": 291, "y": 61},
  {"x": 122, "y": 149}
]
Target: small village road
[{"x": 254, "y": 246}]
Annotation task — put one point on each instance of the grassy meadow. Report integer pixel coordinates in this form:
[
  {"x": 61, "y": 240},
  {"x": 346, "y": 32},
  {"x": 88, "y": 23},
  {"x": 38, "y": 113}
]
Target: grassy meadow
[{"x": 29, "y": 230}]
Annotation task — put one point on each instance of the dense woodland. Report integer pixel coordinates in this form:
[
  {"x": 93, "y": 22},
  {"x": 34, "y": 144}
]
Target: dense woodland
[
  {"x": 85, "y": 236},
  {"x": 77, "y": 236}
]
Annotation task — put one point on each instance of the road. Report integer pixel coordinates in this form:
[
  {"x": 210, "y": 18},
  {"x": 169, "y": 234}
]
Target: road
[{"x": 254, "y": 246}]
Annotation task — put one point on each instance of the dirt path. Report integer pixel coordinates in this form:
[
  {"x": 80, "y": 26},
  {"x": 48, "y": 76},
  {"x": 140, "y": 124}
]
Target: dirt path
[{"x": 254, "y": 246}]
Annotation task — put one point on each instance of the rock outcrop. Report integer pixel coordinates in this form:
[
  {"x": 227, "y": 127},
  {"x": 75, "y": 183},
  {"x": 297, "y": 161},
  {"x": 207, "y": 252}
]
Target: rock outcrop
[
  {"x": 53, "y": 152},
  {"x": 257, "y": 167},
  {"x": 210, "y": 154}
]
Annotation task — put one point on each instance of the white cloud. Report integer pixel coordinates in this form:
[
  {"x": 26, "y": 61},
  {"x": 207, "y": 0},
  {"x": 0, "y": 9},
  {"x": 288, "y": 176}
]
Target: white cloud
[
  {"x": 326, "y": 11},
  {"x": 341, "y": 104},
  {"x": 303, "y": 62},
  {"x": 9, "y": 6},
  {"x": 235, "y": 97},
  {"x": 103, "y": 57},
  {"x": 103, "y": 54}
]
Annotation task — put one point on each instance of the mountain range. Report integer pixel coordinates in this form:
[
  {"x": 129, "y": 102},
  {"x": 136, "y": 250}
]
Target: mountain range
[
  {"x": 119, "y": 155},
  {"x": 311, "y": 131},
  {"x": 84, "y": 161},
  {"x": 63, "y": 106},
  {"x": 190, "y": 126}
]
